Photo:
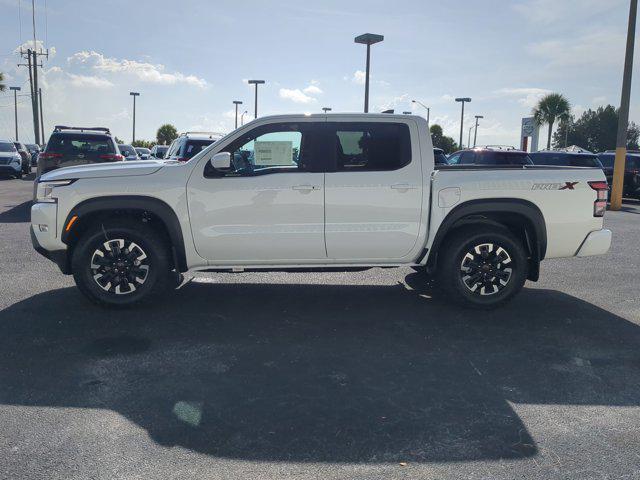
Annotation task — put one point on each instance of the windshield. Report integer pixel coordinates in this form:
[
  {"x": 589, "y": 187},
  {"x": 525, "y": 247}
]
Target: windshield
[
  {"x": 144, "y": 151},
  {"x": 7, "y": 147},
  {"x": 127, "y": 150},
  {"x": 193, "y": 147}
]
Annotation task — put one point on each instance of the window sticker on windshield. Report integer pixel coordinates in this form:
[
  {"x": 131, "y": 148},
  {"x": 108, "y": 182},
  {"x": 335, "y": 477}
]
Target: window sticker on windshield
[{"x": 273, "y": 153}]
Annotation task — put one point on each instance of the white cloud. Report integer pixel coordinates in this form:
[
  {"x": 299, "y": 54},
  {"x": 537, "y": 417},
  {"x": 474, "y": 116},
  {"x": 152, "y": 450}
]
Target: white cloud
[
  {"x": 89, "y": 81},
  {"x": 312, "y": 90},
  {"x": 39, "y": 47},
  {"x": 358, "y": 77},
  {"x": 143, "y": 71},
  {"x": 527, "y": 96},
  {"x": 552, "y": 11},
  {"x": 596, "y": 49},
  {"x": 295, "y": 95},
  {"x": 392, "y": 103}
]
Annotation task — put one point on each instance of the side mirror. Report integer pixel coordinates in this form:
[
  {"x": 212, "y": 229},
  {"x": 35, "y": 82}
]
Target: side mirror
[{"x": 221, "y": 161}]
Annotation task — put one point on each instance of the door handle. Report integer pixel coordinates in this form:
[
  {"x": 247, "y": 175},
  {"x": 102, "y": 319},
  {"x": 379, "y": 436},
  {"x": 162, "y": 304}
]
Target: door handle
[
  {"x": 403, "y": 186},
  {"x": 306, "y": 188}
]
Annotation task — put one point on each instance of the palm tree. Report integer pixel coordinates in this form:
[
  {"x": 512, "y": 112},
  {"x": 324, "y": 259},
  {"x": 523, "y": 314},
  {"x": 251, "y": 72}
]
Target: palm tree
[
  {"x": 550, "y": 108},
  {"x": 2, "y": 85}
]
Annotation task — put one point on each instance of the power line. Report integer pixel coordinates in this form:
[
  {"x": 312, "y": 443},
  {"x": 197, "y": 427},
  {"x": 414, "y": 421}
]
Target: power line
[{"x": 20, "y": 19}]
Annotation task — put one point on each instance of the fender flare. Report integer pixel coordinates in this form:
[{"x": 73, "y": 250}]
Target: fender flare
[
  {"x": 134, "y": 202},
  {"x": 525, "y": 208}
]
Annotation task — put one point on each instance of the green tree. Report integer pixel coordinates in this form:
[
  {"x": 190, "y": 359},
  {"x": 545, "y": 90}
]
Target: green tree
[
  {"x": 440, "y": 140},
  {"x": 118, "y": 141},
  {"x": 595, "y": 130},
  {"x": 550, "y": 108},
  {"x": 3, "y": 87},
  {"x": 143, "y": 143},
  {"x": 166, "y": 134}
]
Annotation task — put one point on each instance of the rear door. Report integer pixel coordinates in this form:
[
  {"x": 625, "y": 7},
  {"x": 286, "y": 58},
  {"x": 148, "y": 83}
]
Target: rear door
[{"x": 373, "y": 197}]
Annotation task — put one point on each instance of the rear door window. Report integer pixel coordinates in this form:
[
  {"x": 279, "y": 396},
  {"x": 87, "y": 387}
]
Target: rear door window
[{"x": 368, "y": 146}]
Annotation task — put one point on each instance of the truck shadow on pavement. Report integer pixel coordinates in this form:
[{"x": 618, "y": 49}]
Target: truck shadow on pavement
[
  {"x": 320, "y": 373},
  {"x": 18, "y": 214}
]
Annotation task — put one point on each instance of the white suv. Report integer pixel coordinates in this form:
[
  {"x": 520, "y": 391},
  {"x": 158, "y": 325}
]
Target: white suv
[
  {"x": 189, "y": 144},
  {"x": 314, "y": 192}
]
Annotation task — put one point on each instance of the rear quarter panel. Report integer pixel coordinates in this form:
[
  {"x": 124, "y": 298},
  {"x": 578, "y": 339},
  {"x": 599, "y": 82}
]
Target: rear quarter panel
[{"x": 568, "y": 213}]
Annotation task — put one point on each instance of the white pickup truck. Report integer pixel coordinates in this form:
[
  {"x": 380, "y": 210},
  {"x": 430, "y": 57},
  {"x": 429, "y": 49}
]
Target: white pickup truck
[{"x": 316, "y": 192}]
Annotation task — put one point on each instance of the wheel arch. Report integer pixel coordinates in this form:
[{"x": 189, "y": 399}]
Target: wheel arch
[
  {"x": 94, "y": 209},
  {"x": 520, "y": 216}
]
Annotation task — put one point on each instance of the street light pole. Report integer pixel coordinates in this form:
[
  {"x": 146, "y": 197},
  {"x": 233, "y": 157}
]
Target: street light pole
[
  {"x": 134, "y": 95},
  {"x": 423, "y": 106},
  {"x": 469, "y": 137},
  {"x": 15, "y": 107},
  {"x": 623, "y": 113},
  {"x": 462, "y": 100},
  {"x": 368, "y": 39},
  {"x": 256, "y": 83},
  {"x": 242, "y": 117},
  {"x": 326, "y": 109},
  {"x": 475, "y": 135},
  {"x": 236, "y": 103}
]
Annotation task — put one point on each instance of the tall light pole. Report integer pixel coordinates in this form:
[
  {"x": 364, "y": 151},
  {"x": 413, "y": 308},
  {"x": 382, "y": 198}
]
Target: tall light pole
[
  {"x": 256, "y": 83},
  {"x": 368, "y": 39},
  {"x": 423, "y": 106},
  {"x": 326, "y": 109},
  {"x": 242, "y": 117},
  {"x": 475, "y": 135},
  {"x": 623, "y": 113},
  {"x": 469, "y": 137},
  {"x": 134, "y": 95},
  {"x": 236, "y": 103},
  {"x": 462, "y": 100},
  {"x": 15, "y": 106}
]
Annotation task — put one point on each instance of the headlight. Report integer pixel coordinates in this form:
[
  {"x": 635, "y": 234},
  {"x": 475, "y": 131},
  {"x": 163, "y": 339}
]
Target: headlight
[{"x": 46, "y": 189}]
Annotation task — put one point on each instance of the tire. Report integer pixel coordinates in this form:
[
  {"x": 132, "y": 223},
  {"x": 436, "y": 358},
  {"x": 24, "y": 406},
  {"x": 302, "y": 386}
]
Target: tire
[
  {"x": 491, "y": 255},
  {"x": 119, "y": 263}
]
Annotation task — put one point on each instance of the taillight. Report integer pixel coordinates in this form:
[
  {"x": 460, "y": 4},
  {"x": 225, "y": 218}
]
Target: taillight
[
  {"x": 111, "y": 157},
  {"x": 46, "y": 155},
  {"x": 600, "y": 205}
]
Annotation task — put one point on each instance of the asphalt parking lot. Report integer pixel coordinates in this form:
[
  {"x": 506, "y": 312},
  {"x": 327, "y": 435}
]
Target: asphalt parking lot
[{"x": 361, "y": 375}]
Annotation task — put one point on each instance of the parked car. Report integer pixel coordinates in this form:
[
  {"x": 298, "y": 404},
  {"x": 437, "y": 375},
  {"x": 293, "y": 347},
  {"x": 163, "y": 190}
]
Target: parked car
[
  {"x": 70, "y": 146},
  {"x": 188, "y": 144},
  {"x": 563, "y": 158},
  {"x": 10, "y": 160},
  {"x": 490, "y": 155},
  {"x": 439, "y": 157},
  {"x": 143, "y": 153},
  {"x": 631, "y": 186},
  {"x": 159, "y": 151},
  {"x": 25, "y": 156},
  {"x": 34, "y": 150},
  {"x": 128, "y": 152},
  {"x": 337, "y": 191}
]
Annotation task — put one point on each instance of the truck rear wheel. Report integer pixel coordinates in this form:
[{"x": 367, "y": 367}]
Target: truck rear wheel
[
  {"x": 121, "y": 263},
  {"x": 482, "y": 267}
]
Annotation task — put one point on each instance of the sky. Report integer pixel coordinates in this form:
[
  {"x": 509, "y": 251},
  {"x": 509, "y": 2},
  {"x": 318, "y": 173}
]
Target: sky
[{"x": 189, "y": 60}]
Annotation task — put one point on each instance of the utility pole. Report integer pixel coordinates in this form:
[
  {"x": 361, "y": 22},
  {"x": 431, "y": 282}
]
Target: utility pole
[
  {"x": 368, "y": 39},
  {"x": 15, "y": 106},
  {"x": 462, "y": 100},
  {"x": 256, "y": 83},
  {"x": 423, "y": 106},
  {"x": 134, "y": 95},
  {"x": 236, "y": 103},
  {"x": 41, "y": 115},
  {"x": 623, "y": 113},
  {"x": 475, "y": 135}
]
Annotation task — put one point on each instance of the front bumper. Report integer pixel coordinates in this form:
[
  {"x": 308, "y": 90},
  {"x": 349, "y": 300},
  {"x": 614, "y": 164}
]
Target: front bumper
[
  {"x": 59, "y": 257},
  {"x": 596, "y": 243}
]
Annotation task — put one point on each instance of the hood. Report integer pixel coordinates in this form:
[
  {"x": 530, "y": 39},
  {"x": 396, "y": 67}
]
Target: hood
[{"x": 102, "y": 170}]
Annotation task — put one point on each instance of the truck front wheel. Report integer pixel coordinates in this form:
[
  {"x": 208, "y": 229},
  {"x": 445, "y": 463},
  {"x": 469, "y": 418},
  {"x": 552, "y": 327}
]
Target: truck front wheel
[
  {"x": 121, "y": 263},
  {"x": 482, "y": 267}
]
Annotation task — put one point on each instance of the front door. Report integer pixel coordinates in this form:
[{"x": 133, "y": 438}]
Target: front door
[
  {"x": 373, "y": 197},
  {"x": 269, "y": 206}
]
